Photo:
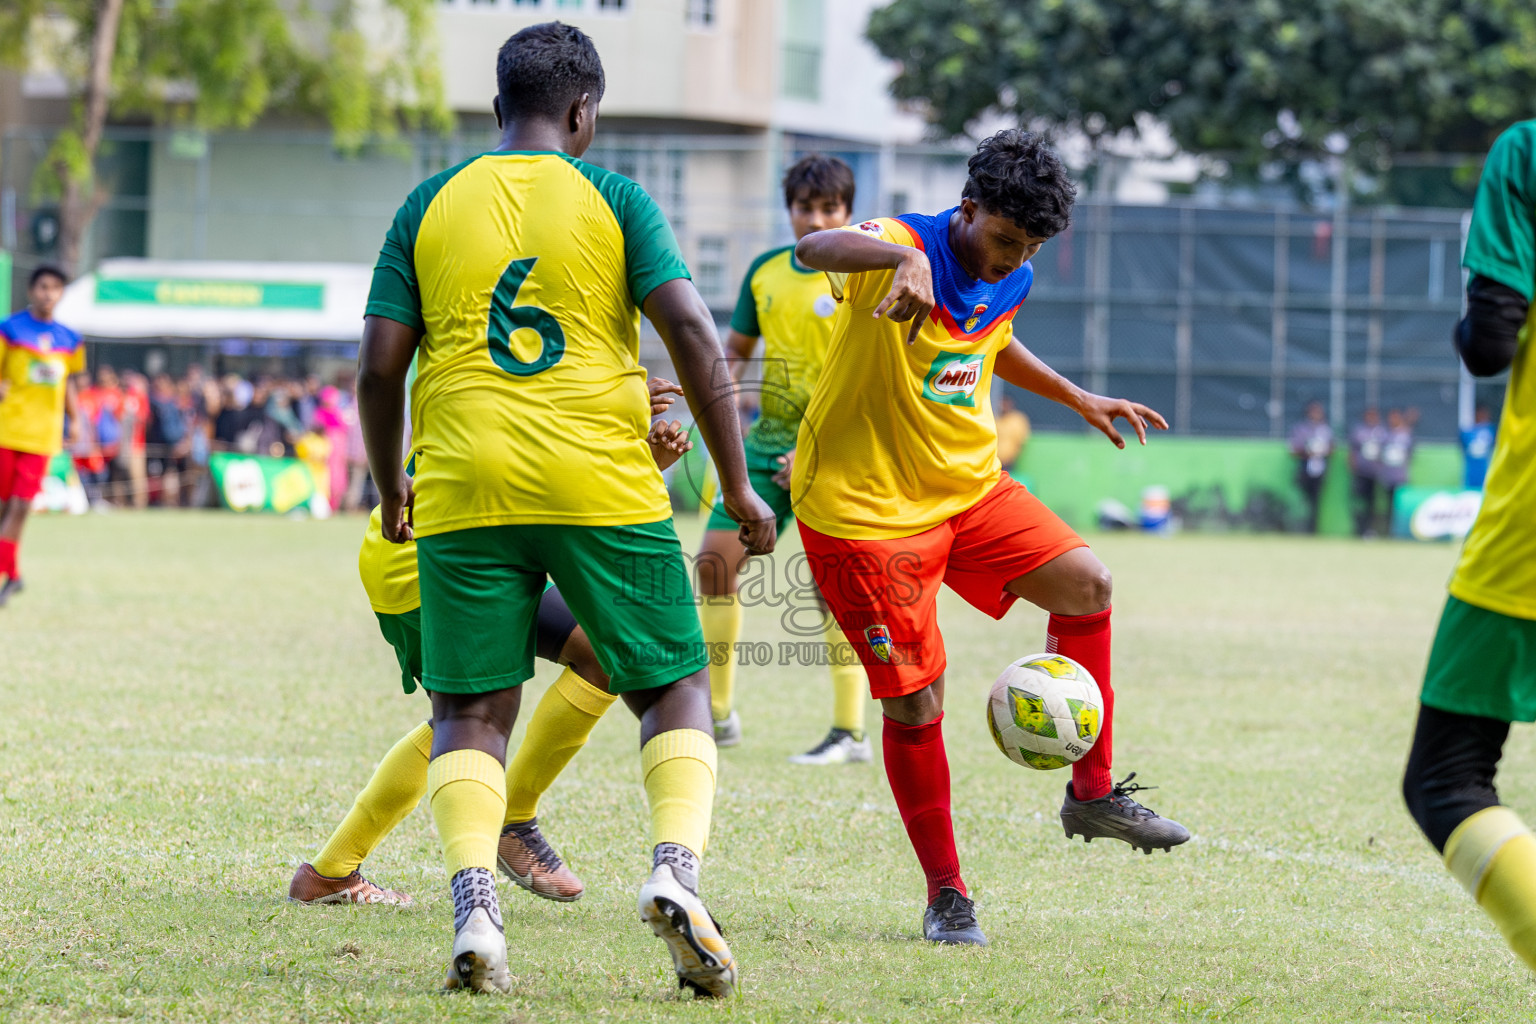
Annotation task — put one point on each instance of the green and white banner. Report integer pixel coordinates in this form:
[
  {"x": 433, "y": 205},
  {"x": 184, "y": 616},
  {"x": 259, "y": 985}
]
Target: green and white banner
[{"x": 260, "y": 483}]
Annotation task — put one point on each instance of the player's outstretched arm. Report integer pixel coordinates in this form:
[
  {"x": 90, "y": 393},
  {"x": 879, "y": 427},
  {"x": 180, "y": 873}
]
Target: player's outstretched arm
[
  {"x": 1022, "y": 368},
  {"x": 683, "y": 321},
  {"x": 383, "y": 360},
  {"x": 853, "y": 252}
]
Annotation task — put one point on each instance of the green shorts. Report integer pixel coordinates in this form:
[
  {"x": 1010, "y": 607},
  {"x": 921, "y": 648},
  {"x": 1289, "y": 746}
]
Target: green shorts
[
  {"x": 760, "y": 470},
  {"x": 403, "y": 631},
  {"x": 626, "y": 585},
  {"x": 1482, "y": 663}
]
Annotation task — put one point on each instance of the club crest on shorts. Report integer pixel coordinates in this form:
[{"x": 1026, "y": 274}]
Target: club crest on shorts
[
  {"x": 976, "y": 315},
  {"x": 879, "y": 641}
]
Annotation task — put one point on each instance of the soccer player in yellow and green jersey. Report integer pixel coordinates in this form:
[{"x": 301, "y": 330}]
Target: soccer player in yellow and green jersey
[
  {"x": 790, "y": 307},
  {"x": 559, "y": 728},
  {"x": 521, "y": 275},
  {"x": 38, "y": 360},
  {"x": 1482, "y": 667}
]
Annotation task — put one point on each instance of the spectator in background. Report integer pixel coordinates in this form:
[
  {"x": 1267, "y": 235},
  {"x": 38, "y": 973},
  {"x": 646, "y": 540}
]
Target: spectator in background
[
  {"x": 1396, "y": 454},
  {"x": 1365, "y": 442},
  {"x": 357, "y": 460},
  {"x": 90, "y": 462},
  {"x": 166, "y": 441},
  {"x": 1012, "y": 433},
  {"x": 1477, "y": 449},
  {"x": 134, "y": 421},
  {"x": 330, "y": 420},
  {"x": 1311, "y": 447}
]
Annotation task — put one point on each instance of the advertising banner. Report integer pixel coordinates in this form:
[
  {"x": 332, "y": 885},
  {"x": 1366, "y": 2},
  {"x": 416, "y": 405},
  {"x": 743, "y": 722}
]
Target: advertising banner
[{"x": 260, "y": 483}]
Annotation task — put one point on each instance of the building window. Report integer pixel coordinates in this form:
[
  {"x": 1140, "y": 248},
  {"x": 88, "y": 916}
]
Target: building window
[
  {"x": 710, "y": 266},
  {"x": 567, "y": 3},
  {"x": 611, "y": 5},
  {"x": 525, "y": 3},
  {"x": 701, "y": 13},
  {"x": 802, "y": 49}
]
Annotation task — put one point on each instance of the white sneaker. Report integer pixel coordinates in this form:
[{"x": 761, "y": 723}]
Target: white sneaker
[
  {"x": 838, "y": 748},
  {"x": 699, "y": 954},
  {"x": 728, "y": 730},
  {"x": 479, "y": 956}
]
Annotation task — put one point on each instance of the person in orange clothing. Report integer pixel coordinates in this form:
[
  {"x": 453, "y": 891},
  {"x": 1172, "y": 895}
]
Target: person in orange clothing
[{"x": 38, "y": 360}]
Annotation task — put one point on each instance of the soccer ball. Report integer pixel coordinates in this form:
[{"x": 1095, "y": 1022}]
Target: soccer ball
[{"x": 1045, "y": 711}]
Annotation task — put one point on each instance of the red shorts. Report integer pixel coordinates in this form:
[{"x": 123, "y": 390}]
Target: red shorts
[
  {"x": 884, "y": 593},
  {"x": 21, "y": 474}
]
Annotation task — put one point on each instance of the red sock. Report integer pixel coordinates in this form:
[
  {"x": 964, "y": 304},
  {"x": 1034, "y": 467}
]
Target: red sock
[
  {"x": 1085, "y": 639},
  {"x": 918, "y": 771},
  {"x": 8, "y": 558}
]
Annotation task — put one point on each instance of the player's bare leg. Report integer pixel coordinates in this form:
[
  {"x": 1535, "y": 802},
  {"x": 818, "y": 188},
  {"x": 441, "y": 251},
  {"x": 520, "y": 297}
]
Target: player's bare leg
[
  {"x": 558, "y": 728},
  {"x": 11, "y": 523},
  {"x": 1076, "y": 588},
  {"x": 677, "y": 757},
  {"x": 466, "y": 784}
]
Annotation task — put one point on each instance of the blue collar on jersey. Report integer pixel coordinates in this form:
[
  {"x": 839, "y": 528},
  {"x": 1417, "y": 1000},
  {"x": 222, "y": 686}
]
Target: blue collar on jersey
[
  {"x": 24, "y": 330},
  {"x": 966, "y": 307}
]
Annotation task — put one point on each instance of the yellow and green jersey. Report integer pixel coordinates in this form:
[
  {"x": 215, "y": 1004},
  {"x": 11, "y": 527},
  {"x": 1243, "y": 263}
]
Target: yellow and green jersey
[
  {"x": 525, "y": 272},
  {"x": 791, "y": 308},
  {"x": 1497, "y": 570}
]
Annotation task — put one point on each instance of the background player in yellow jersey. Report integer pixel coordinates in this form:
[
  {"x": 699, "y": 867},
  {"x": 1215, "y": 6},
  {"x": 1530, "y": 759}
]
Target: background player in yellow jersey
[
  {"x": 521, "y": 274},
  {"x": 1482, "y": 667},
  {"x": 790, "y": 307},
  {"x": 39, "y": 358},
  {"x": 898, "y": 489},
  {"x": 558, "y": 729}
]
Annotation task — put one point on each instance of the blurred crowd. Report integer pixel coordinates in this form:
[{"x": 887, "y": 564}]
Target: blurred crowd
[{"x": 147, "y": 440}]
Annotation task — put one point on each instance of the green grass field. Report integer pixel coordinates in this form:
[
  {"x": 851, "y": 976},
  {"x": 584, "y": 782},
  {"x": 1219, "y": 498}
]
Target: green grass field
[{"x": 191, "y": 701}]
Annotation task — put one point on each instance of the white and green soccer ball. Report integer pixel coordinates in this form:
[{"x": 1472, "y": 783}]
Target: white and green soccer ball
[{"x": 1045, "y": 711}]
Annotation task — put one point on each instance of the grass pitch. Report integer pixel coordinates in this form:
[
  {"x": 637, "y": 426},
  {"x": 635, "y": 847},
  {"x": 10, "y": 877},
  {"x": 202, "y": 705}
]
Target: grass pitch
[{"x": 191, "y": 701}]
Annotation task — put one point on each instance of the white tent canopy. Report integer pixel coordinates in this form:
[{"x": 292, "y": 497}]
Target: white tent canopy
[{"x": 134, "y": 298}]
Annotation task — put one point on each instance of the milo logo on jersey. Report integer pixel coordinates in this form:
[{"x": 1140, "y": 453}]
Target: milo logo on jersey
[{"x": 953, "y": 377}]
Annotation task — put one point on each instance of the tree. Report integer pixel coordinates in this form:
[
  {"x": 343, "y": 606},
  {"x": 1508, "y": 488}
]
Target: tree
[
  {"x": 1259, "y": 80},
  {"x": 222, "y": 64}
]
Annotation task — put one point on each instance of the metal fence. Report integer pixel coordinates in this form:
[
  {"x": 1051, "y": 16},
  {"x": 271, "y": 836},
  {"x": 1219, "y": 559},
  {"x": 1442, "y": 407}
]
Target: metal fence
[{"x": 1230, "y": 320}]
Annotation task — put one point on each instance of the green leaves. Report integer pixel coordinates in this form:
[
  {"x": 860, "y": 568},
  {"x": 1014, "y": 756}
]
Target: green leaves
[{"x": 1258, "y": 79}]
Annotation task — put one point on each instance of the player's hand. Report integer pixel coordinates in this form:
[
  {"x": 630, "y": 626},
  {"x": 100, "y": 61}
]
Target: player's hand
[
  {"x": 911, "y": 294},
  {"x": 397, "y": 510},
  {"x": 787, "y": 461},
  {"x": 759, "y": 532},
  {"x": 669, "y": 442},
  {"x": 662, "y": 391},
  {"x": 1101, "y": 413}
]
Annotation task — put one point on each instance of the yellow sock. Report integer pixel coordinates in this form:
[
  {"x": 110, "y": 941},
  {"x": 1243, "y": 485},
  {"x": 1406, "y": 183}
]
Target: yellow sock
[
  {"x": 679, "y": 768},
  {"x": 468, "y": 793},
  {"x": 397, "y": 786},
  {"x": 1493, "y": 855},
  {"x": 559, "y": 727},
  {"x": 721, "y": 619},
  {"x": 848, "y": 683}
]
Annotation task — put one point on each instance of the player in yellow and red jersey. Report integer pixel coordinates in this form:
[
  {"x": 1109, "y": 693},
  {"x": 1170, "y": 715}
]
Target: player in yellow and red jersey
[
  {"x": 38, "y": 360},
  {"x": 897, "y": 487}
]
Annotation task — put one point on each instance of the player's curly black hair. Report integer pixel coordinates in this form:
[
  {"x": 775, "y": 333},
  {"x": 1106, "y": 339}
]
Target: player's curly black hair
[
  {"x": 544, "y": 68},
  {"x": 817, "y": 176},
  {"x": 1016, "y": 175},
  {"x": 46, "y": 270}
]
